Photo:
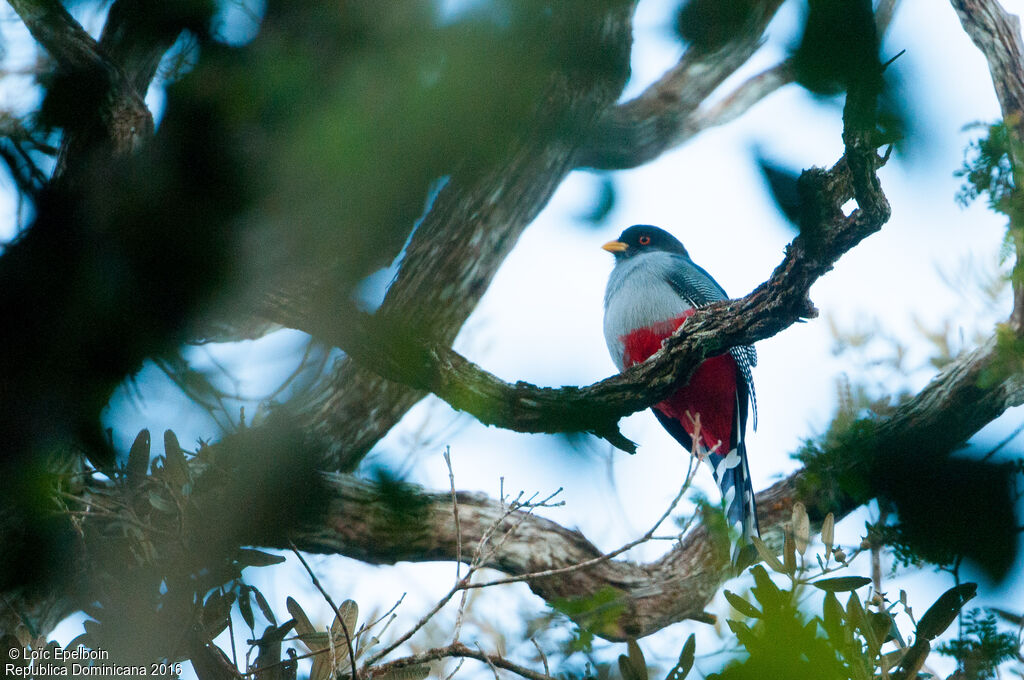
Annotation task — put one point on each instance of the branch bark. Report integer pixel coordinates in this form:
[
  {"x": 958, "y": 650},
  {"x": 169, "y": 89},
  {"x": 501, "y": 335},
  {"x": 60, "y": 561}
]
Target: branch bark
[
  {"x": 677, "y": 586},
  {"x": 996, "y": 33},
  {"x": 121, "y": 120},
  {"x": 771, "y": 307},
  {"x": 674, "y": 109}
]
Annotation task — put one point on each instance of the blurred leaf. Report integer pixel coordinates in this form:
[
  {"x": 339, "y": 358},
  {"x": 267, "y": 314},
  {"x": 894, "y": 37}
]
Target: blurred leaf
[
  {"x": 175, "y": 465},
  {"x": 924, "y": 484},
  {"x": 783, "y": 183},
  {"x": 765, "y": 591},
  {"x": 828, "y": 533},
  {"x": 938, "y": 617},
  {"x": 264, "y": 606},
  {"x": 854, "y": 610},
  {"x": 633, "y": 666},
  {"x": 138, "y": 457},
  {"x": 741, "y": 605},
  {"x": 767, "y": 555},
  {"x": 841, "y": 584},
  {"x": 881, "y": 626},
  {"x": 257, "y": 558},
  {"x": 593, "y": 614},
  {"x": 245, "y": 607},
  {"x": 686, "y": 658},
  {"x": 321, "y": 669},
  {"x": 743, "y": 634},
  {"x": 839, "y": 45},
  {"x": 709, "y": 24},
  {"x": 603, "y": 203},
  {"x": 832, "y": 617},
  {"x": 303, "y": 627},
  {"x": 789, "y": 552},
  {"x": 216, "y": 612},
  {"x": 801, "y": 527},
  {"x": 161, "y": 504}
]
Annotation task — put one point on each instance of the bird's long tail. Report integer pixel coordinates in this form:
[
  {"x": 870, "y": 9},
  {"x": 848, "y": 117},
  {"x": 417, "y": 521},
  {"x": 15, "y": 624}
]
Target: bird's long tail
[{"x": 732, "y": 474}]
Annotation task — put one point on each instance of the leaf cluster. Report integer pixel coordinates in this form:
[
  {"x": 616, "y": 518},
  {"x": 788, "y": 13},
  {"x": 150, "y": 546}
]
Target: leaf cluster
[
  {"x": 857, "y": 638},
  {"x": 981, "y": 646}
]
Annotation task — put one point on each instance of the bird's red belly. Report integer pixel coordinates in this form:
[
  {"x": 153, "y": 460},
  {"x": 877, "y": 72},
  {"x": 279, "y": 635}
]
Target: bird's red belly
[{"x": 710, "y": 395}]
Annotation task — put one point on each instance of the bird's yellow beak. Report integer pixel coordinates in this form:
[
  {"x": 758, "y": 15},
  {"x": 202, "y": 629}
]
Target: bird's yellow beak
[{"x": 614, "y": 246}]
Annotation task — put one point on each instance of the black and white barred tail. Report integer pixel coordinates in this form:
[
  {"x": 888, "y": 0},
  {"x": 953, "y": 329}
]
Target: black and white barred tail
[{"x": 732, "y": 474}]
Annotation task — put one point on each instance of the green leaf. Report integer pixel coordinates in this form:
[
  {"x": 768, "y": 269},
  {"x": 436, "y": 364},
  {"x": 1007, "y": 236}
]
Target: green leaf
[
  {"x": 138, "y": 457},
  {"x": 854, "y": 610},
  {"x": 765, "y": 591},
  {"x": 161, "y": 504},
  {"x": 743, "y": 634},
  {"x": 633, "y": 667},
  {"x": 742, "y": 606},
  {"x": 686, "y": 657},
  {"x": 257, "y": 558},
  {"x": 264, "y": 606},
  {"x": 245, "y": 607},
  {"x": 215, "y": 613},
  {"x": 176, "y": 467},
  {"x": 881, "y": 625},
  {"x": 767, "y": 555},
  {"x": 789, "y": 553},
  {"x": 944, "y": 611},
  {"x": 832, "y": 618},
  {"x": 841, "y": 584}
]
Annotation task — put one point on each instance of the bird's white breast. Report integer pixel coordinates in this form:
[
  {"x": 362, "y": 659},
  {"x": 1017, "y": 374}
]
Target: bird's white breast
[{"x": 638, "y": 296}]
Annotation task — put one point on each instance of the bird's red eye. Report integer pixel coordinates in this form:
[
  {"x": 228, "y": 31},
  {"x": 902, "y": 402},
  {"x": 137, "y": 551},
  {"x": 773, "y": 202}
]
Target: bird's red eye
[{"x": 644, "y": 240}]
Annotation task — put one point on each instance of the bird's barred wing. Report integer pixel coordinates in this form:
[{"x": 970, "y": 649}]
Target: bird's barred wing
[{"x": 692, "y": 283}]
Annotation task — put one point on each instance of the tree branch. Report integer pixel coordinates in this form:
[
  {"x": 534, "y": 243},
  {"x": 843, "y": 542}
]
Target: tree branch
[
  {"x": 676, "y": 586},
  {"x": 57, "y": 31},
  {"x": 771, "y": 307},
  {"x": 456, "y": 650},
  {"x": 454, "y": 254},
  {"x": 996, "y": 33},
  {"x": 669, "y": 112},
  {"x": 120, "y": 119}
]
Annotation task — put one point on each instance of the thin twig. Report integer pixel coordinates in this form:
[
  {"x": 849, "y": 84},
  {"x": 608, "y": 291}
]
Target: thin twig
[
  {"x": 419, "y": 624},
  {"x": 337, "y": 612},
  {"x": 457, "y": 667},
  {"x": 455, "y": 510},
  {"x": 489, "y": 662},
  {"x": 601, "y": 558},
  {"x": 543, "y": 656},
  {"x": 231, "y": 633}
]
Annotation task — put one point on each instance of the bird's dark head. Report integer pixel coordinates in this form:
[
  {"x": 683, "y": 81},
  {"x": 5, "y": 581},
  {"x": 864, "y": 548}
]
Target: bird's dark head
[{"x": 643, "y": 238}]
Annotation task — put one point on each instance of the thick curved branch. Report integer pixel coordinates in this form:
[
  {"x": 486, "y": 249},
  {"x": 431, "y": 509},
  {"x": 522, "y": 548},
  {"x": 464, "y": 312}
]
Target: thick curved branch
[
  {"x": 673, "y": 109},
  {"x": 676, "y": 586},
  {"x": 773, "y": 306},
  {"x": 57, "y": 31},
  {"x": 455, "y": 253}
]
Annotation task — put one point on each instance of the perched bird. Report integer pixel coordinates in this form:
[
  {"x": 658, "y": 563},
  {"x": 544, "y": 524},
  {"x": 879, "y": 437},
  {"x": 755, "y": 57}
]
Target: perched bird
[{"x": 653, "y": 288}]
